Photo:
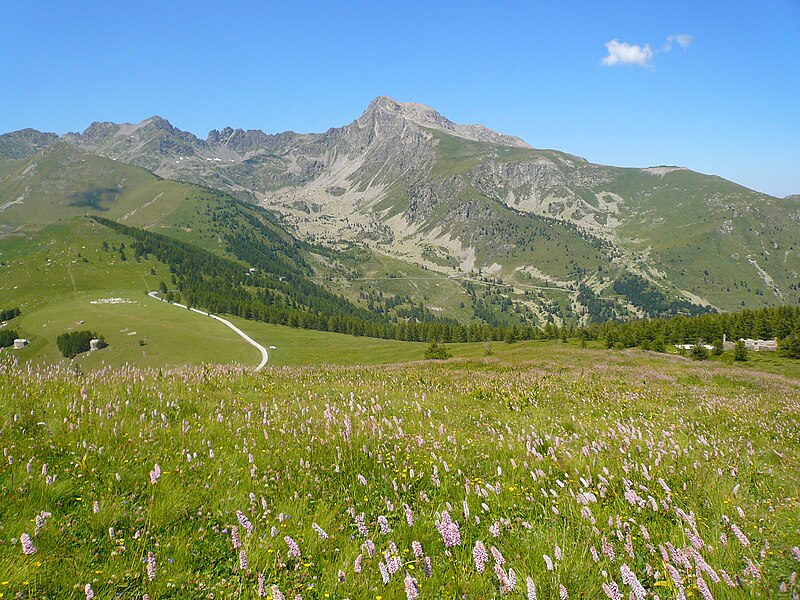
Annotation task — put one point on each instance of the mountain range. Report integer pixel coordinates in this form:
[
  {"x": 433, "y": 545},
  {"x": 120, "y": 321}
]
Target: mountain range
[{"x": 537, "y": 234}]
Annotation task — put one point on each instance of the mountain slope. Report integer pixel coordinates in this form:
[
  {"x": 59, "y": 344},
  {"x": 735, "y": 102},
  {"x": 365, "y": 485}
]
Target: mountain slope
[{"x": 463, "y": 201}]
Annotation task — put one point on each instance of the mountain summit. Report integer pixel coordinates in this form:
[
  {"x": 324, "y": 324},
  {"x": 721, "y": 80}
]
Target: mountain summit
[
  {"x": 407, "y": 182},
  {"x": 425, "y": 116}
]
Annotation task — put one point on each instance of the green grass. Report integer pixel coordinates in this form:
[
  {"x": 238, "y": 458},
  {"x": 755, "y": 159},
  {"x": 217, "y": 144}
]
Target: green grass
[{"x": 522, "y": 439}]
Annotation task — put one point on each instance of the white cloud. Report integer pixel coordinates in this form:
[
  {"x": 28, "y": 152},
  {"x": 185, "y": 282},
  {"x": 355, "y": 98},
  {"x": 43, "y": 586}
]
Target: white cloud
[
  {"x": 684, "y": 40},
  {"x": 623, "y": 53}
]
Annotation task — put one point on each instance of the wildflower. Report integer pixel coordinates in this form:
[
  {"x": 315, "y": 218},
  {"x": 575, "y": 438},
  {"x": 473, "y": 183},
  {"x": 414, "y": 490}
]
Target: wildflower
[
  {"x": 244, "y": 522},
  {"x": 294, "y": 549},
  {"x": 320, "y": 532},
  {"x": 702, "y": 587},
  {"x": 95, "y": 507},
  {"x": 27, "y": 545},
  {"x": 480, "y": 556},
  {"x": 412, "y": 588},
  {"x": 155, "y": 474},
  {"x": 262, "y": 592},
  {"x": 277, "y": 594},
  {"x": 362, "y": 528},
  {"x": 88, "y": 591},
  {"x": 341, "y": 576},
  {"x": 427, "y": 566},
  {"x": 409, "y": 515},
  {"x": 608, "y": 550},
  {"x": 531, "y": 587},
  {"x": 357, "y": 564},
  {"x": 494, "y": 529},
  {"x": 505, "y": 582},
  {"x": 384, "y": 524},
  {"x": 151, "y": 566},
  {"x": 448, "y": 529},
  {"x": 562, "y": 592},
  {"x": 548, "y": 561},
  {"x": 629, "y": 578},
  {"x": 498, "y": 557},
  {"x": 612, "y": 591},
  {"x": 796, "y": 552},
  {"x": 237, "y": 541},
  {"x": 384, "y": 572},
  {"x": 417, "y": 548},
  {"x": 740, "y": 535}
]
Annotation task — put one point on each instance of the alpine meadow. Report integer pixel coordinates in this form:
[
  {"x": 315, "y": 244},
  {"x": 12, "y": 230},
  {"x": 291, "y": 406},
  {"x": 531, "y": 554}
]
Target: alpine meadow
[{"x": 406, "y": 357}]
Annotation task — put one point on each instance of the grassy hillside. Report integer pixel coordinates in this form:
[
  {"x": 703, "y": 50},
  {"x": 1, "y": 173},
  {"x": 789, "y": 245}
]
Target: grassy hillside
[{"x": 618, "y": 470}]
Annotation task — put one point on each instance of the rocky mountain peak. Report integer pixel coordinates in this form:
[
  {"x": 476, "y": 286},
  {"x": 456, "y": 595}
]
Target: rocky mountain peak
[{"x": 425, "y": 116}]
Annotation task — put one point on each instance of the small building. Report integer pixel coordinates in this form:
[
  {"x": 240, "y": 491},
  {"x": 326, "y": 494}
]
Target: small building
[
  {"x": 761, "y": 345},
  {"x": 691, "y": 346},
  {"x": 727, "y": 344},
  {"x": 20, "y": 343},
  {"x": 94, "y": 344}
]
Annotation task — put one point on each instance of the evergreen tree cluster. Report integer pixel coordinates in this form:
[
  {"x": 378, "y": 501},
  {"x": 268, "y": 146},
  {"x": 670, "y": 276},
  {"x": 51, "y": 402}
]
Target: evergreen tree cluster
[
  {"x": 279, "y": 292},
  {"x": 9, "y": 313},
  {"x": 781, "y": 323},
  {"x": 651, "y": 300},
  {"x": 73, "y": 343},
  {"x": 7, "y": 337}
]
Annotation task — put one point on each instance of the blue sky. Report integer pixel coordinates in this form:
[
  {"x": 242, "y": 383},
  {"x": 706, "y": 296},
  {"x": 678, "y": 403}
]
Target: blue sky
[{"x": 727, "y": 103}]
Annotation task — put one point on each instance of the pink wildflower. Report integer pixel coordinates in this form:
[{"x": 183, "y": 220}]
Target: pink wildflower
[
  {"x": 480, "y": 556},
  {"x": 27, "y": 545},
  {"x": 262, "y": 591},
  {"x": 448, "y": 529},
  {"x": 362, "y": 528},
  {"x": 630, "y": 579},
  {"x": 244, "y": 522},
  {"x": 294, "y": 549},
  {"x": 531, "y": 588},
  {"x": 417, "y": 548},
  {"x": 740, "y": 535},
  {"x": 505, "y": 583},
  {"x": 151, "y": 566},
  {"x": 237, "y": 541},
  {"x": 702, "y": 587},
  {"x": 412, "y": 588},
  {"x": 320, "y": 532},
  {"x": 277, "y": 594},
  {"x": 384, "y": 524},
  {"x": 612, "y": 591},
  {"x": 89, "y": 592}
]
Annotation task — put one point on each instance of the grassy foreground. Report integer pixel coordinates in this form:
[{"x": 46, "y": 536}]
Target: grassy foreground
[{"x": 586, "y": 471}]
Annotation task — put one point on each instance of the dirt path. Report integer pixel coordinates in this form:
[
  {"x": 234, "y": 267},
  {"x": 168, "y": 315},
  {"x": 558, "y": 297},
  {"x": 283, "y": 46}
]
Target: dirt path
[{"x": 248, "y": 339}]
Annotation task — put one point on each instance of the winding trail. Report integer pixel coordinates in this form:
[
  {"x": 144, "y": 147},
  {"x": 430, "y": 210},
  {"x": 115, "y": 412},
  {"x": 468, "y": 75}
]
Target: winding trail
[{"x": 248, "y": 339}]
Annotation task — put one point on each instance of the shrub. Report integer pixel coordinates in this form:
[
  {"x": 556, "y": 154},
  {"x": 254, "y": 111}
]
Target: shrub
[
  {"x": 437, "y": 351},
  {"x": 740, "y": 351},
  {"x": 698, "y": 352}
]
